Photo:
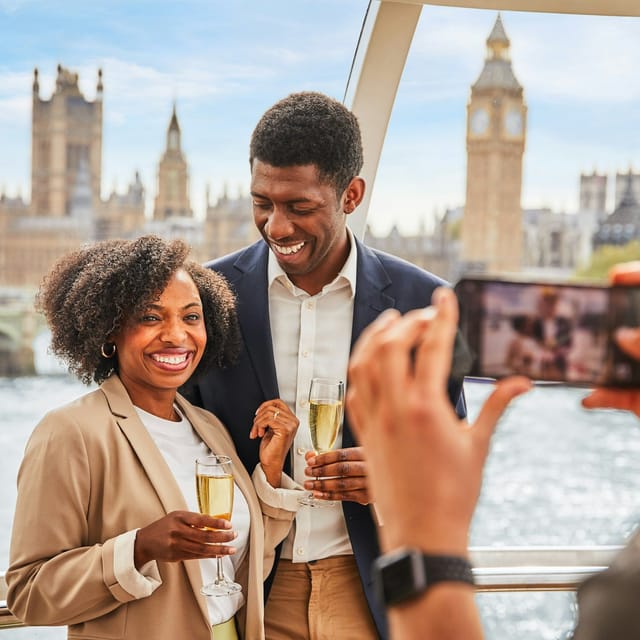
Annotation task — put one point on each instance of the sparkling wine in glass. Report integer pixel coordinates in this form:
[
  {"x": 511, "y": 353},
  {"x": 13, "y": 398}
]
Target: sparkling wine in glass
[
  {"x": 214, "y": 487},
  {"x": 326, "y": 397}
]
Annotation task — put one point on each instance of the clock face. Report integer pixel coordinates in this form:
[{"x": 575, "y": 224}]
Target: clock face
[
  {"x": 513, "y": 122},
  {"x": 479, "y": 121}
]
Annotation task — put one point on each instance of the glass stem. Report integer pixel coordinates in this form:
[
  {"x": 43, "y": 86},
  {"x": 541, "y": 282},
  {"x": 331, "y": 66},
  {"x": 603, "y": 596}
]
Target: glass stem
[{"x": 220, "y": 576}]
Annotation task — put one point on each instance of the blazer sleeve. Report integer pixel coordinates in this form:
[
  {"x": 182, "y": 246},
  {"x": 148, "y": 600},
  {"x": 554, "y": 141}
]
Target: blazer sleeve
[
  {"x": 279, "y": 507},
  {"x": 56, "y": 575}
]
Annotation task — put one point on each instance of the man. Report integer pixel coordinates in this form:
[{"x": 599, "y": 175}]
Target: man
[
  {"x": 305, "y": 293},
  {"x": 553, "y": 333},
  {"x": 396, "y": 403}
]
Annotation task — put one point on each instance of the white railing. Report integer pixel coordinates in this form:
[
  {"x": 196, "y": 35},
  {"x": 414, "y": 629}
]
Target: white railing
[
  {"x": 537, "y": 568},
  {"x": 495, "y": 569}
]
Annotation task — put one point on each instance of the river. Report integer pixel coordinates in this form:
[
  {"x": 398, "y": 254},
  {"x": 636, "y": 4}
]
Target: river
[{"x": 557, "y": 475}]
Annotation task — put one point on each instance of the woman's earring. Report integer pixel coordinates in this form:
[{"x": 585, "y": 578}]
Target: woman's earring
[{"x": 108, "y": 350}]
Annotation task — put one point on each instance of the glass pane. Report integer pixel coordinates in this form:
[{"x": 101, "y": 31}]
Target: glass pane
[{"x": 568, "y": 142}]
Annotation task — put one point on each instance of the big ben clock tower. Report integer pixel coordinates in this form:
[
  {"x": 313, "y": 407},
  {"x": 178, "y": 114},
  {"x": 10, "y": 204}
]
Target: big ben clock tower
[{"x": 496, "y": 119}]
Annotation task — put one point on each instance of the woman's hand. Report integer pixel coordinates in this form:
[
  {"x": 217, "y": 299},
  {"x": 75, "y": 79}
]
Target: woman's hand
[
  {"x": 276, "y": 424},
  {"x": 183, "y": 535}
]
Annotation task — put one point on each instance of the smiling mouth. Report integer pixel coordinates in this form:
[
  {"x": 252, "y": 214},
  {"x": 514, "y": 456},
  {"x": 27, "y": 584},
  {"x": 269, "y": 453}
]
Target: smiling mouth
[
  {"x": 177, "y": 359},
  {"x": 287, "y": 250}
]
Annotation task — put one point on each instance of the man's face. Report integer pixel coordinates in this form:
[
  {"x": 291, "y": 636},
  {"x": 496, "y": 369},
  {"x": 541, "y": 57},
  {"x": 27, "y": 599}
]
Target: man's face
[
  {"x": 303, "y": 222},
  {"x": 548, "y": 304}
]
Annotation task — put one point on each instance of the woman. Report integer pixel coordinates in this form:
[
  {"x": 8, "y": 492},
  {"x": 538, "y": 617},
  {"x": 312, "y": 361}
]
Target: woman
[{"x": 107, "y": 537}]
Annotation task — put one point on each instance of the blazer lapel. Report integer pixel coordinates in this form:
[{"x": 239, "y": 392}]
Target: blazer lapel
[
  {"x": 142, "y": 443},
  {"x": 253, "y": 314},
  {"x": 370, "y": 299},
  {"x": 216, "y": 437},
  {"x": 369, "y": 302},
  {"x": 155, "y": 466}
]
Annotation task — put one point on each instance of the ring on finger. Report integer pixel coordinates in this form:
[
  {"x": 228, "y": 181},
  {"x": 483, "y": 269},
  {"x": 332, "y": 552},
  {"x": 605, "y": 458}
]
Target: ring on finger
[{"x": 276, "y": 413}]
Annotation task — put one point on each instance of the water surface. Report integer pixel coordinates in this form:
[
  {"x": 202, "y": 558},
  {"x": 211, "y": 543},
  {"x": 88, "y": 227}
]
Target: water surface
[{"x": 557, "y": 475}]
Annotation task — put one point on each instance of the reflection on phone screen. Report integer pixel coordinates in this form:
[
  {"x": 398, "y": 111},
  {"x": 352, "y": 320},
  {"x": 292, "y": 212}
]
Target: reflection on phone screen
[{"x": 548, "y": 332}]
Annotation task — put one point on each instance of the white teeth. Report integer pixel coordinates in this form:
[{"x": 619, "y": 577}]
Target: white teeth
[
  {"x": 170, "y": 359},
  {"x": 287, "y": 251}
]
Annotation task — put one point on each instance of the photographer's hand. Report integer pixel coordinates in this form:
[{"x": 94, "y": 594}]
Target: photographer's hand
[{"x": 628, "y": 339}]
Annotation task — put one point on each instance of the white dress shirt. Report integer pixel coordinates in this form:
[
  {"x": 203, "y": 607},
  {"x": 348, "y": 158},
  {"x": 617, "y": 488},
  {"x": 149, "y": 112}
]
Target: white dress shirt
[{"x": 311, "y": 338}]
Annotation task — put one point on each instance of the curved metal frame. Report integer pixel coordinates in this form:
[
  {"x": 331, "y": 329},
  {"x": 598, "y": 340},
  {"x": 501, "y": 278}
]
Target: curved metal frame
[{"x": 382, "y": 51}]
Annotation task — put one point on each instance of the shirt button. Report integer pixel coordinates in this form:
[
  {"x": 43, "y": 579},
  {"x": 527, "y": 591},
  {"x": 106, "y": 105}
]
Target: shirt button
[
  {"x": 301, "y": 451},
  {"x": 305, "y": 354},
  {"x": 310, "y": 305},
  {"x": 303, "y": 402},
  {"x": 300, "y": 551}
]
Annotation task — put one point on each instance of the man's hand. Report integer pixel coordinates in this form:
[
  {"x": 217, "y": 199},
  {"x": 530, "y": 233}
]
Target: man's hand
[
  {"x": 340, "y": 474},
  {"x": 425, "y": 464}
]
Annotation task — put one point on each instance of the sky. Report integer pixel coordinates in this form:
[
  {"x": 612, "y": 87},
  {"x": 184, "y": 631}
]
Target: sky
[{"x": 224, "y": 63}]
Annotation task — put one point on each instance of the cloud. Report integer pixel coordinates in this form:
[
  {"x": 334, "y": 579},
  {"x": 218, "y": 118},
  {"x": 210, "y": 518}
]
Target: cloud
[
  {"x": 555, "y": 57},
  {"x": 597, "y": 63}
]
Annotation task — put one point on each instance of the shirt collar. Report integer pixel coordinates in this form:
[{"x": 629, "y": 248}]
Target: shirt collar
[{"x": 348, "y": 272}]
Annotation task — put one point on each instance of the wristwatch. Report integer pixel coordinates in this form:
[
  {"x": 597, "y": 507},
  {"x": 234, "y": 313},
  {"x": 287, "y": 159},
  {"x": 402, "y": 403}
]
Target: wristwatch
[{"x": 406, "y": 573}]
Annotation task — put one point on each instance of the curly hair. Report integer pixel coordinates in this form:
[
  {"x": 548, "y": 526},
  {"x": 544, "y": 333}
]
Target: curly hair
[
  {"x": 91, "y": 293},
  {"x": 310, "y": 128}
]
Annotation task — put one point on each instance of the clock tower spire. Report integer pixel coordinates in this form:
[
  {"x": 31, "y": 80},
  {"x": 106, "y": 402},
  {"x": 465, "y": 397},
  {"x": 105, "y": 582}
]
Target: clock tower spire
[
  {"x": 172, "y": 199},
  {"x": 496, "y": 117}
]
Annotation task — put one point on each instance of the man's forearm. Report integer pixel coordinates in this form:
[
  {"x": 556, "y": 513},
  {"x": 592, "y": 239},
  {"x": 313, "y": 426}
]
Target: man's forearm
[{"x": 446, "y": 611}]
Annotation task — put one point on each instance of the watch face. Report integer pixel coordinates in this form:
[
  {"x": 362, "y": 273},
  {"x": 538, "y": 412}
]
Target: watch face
[
  {"x": 479, "y": 121},
  {"x": 513, "y": 122},
  {"x": 400, "y": 576}
]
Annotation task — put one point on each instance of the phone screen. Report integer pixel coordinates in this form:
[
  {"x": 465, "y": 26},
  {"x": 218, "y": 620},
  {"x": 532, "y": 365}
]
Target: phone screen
[{"x": 548, "y": 332}]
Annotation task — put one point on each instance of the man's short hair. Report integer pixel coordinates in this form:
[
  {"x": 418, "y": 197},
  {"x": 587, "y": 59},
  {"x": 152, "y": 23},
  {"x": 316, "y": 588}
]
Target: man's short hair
[{"x": 310, "y": 128}]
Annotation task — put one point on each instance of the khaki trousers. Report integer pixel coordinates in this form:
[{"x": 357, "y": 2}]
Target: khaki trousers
[{"x": 320, "y": 600}]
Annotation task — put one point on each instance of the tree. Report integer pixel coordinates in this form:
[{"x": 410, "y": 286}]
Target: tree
[{"x": 604, "y": 257}]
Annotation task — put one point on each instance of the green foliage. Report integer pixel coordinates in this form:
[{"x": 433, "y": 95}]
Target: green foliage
[
  {"x": 454, "y": 230},
  {"x": 605, "y": 257}
]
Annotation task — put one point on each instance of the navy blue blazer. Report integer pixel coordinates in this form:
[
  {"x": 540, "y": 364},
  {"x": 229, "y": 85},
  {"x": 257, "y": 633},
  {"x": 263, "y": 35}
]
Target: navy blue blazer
[{"x": 234, "y": 393}]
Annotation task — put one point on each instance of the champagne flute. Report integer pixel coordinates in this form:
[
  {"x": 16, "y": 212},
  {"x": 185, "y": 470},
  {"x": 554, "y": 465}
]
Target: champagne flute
[
  {"x": 326, "y": 398},
  {"x": 214, "y": 486}
]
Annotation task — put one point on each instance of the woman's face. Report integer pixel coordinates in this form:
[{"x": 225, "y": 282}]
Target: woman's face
[{"x": 158, "y": 351}]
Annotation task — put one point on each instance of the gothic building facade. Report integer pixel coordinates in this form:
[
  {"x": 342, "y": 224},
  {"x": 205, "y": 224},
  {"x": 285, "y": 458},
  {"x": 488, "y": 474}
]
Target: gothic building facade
[
  {"x": 66, "y": 208},
  {"x": 490, "y": 232}
]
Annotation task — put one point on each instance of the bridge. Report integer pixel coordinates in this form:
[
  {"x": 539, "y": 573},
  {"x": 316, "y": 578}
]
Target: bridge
[{"x": 19, "y": 327}]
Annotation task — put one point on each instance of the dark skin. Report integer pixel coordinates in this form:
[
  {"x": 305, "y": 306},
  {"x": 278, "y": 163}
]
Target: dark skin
[
  {"x": 304, "y": 222},
  {"x": 157, "y": 353}
]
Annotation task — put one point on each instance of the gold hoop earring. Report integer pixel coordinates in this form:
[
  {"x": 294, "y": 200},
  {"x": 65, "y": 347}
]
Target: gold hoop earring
[{"x": 108, "y": 354}]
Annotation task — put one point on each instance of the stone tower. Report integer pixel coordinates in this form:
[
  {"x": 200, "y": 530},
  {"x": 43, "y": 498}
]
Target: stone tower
[
  {"x": 66, "y": 134},
  {"x": 593, "y": 192},
  {"x": 172, "y": 199},
  {"x": 496, "y": 129}
]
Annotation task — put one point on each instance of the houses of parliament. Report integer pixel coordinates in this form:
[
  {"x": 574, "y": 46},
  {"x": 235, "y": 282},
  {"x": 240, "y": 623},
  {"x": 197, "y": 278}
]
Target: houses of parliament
[{"x": 66, "y": 208}]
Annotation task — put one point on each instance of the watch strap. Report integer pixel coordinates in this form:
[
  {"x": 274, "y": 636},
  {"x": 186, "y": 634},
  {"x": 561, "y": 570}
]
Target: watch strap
[{"x": 406, "y": 573}]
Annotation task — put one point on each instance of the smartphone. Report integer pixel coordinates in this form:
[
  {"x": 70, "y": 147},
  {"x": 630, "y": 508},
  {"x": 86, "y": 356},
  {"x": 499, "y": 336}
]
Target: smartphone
[{"x": 550, "y": 332}]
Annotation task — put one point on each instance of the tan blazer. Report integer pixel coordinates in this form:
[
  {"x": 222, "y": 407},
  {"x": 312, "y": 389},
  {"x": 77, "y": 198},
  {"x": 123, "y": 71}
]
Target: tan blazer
[{"x": 91, "y": 472}]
